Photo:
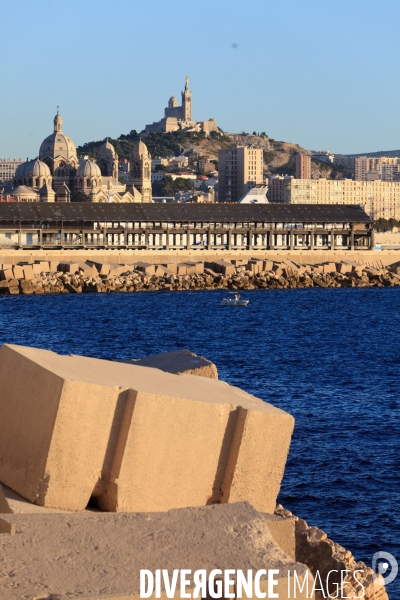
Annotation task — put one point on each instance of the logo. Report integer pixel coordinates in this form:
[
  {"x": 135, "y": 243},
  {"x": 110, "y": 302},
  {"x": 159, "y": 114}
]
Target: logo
[{"x": 382, "y": 562}]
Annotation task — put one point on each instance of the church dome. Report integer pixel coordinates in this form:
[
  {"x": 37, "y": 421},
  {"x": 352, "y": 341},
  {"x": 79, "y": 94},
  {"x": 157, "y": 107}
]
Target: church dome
[
  {"x": 57, "y": 144},
  {"x": 107, "y": 149},
  {"x": 172, "y": 102},
  {"x": 32, "y": 168},
  {"x": 88, "y": 168},
  {"x": 140, "y": 148}
]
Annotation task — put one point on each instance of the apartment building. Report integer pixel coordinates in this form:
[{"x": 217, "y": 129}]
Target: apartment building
[
  {"x": 206, "y": 165},
  {"x": 341, "y": 160},
  {"x": 303, "y": 166},
  {"x": 379, "y": 199},
  {"x": 8, "y": 168},
  {"x": 324, "y": 156},
  {"x": 276, "y": 187},
  {"x": 239, "y": 170},
  {"x": 384, "y": 167}
]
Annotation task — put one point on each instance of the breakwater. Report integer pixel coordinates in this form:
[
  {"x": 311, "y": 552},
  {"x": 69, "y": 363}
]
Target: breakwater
[
  {"x": 43, "y": 277},
  {"x": 328, "y": 356}
]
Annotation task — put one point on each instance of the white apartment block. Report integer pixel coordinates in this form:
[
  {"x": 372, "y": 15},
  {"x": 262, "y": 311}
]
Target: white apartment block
[
  {"x": 379, "y": 199},
  {"x": 8, "y": 168},
  {"x": 324, "y": 156}
]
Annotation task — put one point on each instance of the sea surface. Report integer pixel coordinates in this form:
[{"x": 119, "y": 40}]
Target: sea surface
[{"x": 330, "y": 357}]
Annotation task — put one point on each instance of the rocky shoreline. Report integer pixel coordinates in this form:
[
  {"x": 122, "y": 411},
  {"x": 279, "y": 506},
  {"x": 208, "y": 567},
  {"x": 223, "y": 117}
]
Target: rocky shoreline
[{"x": 67, "y": 277}]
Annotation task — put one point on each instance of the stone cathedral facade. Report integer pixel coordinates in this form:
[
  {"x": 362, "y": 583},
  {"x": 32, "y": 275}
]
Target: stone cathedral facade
[{"x": 58, "y": 175}]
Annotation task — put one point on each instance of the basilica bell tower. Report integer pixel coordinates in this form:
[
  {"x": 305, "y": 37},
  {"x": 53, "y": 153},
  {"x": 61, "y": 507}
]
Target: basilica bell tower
[
  {"x": 140, "y": 171},
  {"x": 187, "y": 102}
]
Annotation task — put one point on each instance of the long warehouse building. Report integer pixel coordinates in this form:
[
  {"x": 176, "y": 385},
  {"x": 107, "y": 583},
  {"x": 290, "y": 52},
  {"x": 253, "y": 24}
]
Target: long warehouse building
[{"x": 183, "y": 226}]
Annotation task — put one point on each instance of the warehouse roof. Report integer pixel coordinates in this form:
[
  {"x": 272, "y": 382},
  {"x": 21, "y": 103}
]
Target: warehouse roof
[{"x": 270, "y": 213}]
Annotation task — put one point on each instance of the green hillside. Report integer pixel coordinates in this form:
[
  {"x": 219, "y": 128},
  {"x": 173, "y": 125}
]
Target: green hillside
[{"x": 159, "y": 144}]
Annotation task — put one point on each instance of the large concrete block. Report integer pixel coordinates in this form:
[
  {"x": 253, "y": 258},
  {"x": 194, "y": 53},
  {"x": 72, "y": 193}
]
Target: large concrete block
[
  {"x": 4, "y": 506},
  {"x": 19, "y": 505},
  {"x": 56, "y": 427},
  {"x": 88, "y": 270},
  {"x": 146, "y": 268},
  {"x": 6, "y": 274},
  {"x": 249, "y": 474},
  {"x": 7, "y": 527},
  {"x": 171, "y": 267},
  {"x": 194, "y": 267},
  {"x": 283, "y": 531},
  {"x": 53, "y": 266},
  {"x": 102, "y": 268},
  {"x": 41, "y": 266},
  {"x": 117, "y": 270},
  {"x": 69, "y": 267},
  {"x": 154, "y": 471},
  {"x": 287, "y": 271},
  {"x": 223, "y": 266},
  {"x": 28, "y": 272},
  {"x": 168, "y": 452},
  {"x": 179, "y": 362},
  {"x": 137, "y": 438},
  {"x": 208, "y": 271},
  {"x": 160, "y": 270},
  {"x": 190, "y": 269},
  {"x": 267, "y": 265},
  {"x": 18, "y": 272},
  {"x": 238, "y": 262},
  {"x": 199, "y": 265},
  {"x": 102, "y": 554},
  {"x": 329, "y": 267},
  {"x": 181, "y": 269}
]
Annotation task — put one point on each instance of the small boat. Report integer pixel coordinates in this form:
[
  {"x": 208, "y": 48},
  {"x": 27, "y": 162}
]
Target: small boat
[{"x": 235, "y": 301}]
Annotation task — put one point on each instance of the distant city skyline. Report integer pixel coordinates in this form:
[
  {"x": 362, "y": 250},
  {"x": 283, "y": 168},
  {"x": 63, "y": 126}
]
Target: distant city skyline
[{"x": 319, "y": 75}]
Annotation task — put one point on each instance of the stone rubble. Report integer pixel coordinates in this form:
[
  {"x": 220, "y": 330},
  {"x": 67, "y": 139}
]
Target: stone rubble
[
  {"x": 76, "y": 278},
  {"x": 319, "y": 553}
]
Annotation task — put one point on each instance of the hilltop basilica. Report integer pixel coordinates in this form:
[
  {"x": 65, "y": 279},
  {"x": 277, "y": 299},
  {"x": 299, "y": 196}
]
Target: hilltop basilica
[
  {"x": 180, "y": 117},
  {"x": 57, "y": 175}
]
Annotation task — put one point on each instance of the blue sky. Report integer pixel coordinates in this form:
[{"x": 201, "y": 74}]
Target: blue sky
[{"x": 323, "y": 74}]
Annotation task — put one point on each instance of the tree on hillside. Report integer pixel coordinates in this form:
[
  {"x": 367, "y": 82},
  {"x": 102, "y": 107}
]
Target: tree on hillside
[
  {"x": 386, "y": 224},
  {"x": 169, "y": 186}
]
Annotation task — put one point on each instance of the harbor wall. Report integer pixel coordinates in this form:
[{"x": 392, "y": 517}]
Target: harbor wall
[{"x": 312, "y": 257}]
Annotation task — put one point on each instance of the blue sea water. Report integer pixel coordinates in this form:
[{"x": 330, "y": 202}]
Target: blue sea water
[{"x": 330, "y": 357}]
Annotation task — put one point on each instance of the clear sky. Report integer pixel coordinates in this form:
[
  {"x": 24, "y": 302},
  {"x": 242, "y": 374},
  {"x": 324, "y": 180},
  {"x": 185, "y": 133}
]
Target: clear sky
[{"x": 320, "y": 73}]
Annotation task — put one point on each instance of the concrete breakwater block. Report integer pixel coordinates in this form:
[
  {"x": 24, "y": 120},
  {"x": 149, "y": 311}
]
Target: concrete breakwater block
[
  {"x": 137, "y": 438},
  {"x": 179, "y": 362},
  {"x": 6, "y": 527},
  {"x": 4, "y": 506},
  {"x": 102, "y": 554},
  {"x": 221, "y": 266}
]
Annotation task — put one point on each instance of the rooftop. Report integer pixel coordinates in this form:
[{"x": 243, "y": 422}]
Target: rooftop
[{"x": 228, "y": 213}]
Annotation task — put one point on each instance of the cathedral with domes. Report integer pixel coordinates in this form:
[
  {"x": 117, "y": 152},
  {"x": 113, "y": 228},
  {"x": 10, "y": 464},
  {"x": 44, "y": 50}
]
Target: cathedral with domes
[{"x": 58, "y": 175}]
